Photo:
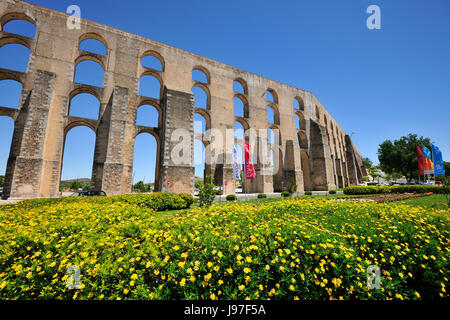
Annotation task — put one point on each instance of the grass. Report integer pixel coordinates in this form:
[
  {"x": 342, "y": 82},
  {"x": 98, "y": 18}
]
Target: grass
[{"x": 436, "y": 201}]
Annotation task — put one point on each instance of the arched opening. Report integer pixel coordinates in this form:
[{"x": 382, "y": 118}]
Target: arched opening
[
  {"x": 199, "y": 123},
  {"x": 20, "y": 27},
  {"x": 84, "y": 105},
  {"x": 200, "y": 74},
  {"x": 271, "y": 96},
  {"x": 201, "y": 99},
  {"x": 297, "y": 121},
  {"x": 199, "y": 160},
  {"x": 14, "y": 56},
  {"x": 93, "y": 46},
  {"x": 239, "y": 107},
  {"x": 148, "y": 116},
  {"x": 300, "y": 123},
  {"x": 240, "y": 159},
  {"x": 298, "y": 104},
  {"x": 239, "y": 86},
  {"x": 89, "y": 72},
  {"x": 270, "y": 115},
  {"x": 78, "y": 158},
  {"x": 6, "y": 132},
  {"x": 144, "y": 162},
  {"x": 152, "y": 62},
  {"x": 150, "y": 86},
  {"x": 10, "y": 93},
  {"x": 276, "y": 163},
  {"x": 239, "y": 131},
  {"x": 306, "y": 171}
]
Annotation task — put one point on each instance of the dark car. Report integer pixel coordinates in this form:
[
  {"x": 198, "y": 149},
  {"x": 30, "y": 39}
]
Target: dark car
[{"x": 88, "y": 193}]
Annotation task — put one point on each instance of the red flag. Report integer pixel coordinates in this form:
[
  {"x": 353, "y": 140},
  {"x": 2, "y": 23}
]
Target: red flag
[
  {"x": 420, "y": 159},
  {"x": 249, "y": 168}
]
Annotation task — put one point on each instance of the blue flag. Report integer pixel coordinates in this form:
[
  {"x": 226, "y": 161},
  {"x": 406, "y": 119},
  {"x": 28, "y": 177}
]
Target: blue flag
[{"x": 438, "y": 162}]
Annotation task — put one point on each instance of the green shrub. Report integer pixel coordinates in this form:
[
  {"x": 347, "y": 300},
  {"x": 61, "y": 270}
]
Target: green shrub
[
  {"x": 262, "y": 196},
  {"x": 159, "y": 201},
  {"x": 355, "y": 190},
  {"x": 231, "y": 197},
  {"x": 190, "y": 199},
  {"x": 206, "y": 192},
  {"x": 332, "y": 192},
  {"x": 285, "y": 194},
  {"x": 308, "y": 193}
]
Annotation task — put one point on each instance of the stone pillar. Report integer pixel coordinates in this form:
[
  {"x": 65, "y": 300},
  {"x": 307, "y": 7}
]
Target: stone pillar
[
  {"x": 322, "y": 167},
  {"x": 108, "y": 165},
  {"x": 352, "y": 169},
  {"x": 292, "y": 167},
  {"x": 26, "y": 160},
  {"x": 179, "y": 114},
  {"x": 224, "y": 172}
]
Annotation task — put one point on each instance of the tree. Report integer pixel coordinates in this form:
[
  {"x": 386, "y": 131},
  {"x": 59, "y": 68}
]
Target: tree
[
  {"x": 75, "y": 185},
  {"x": 400, "y": 155},
  {"x": 140, "y": 187},
  {"x": 2, "y": 181},
  {"x": 206, "y": 191},
  {"x": 447, "y": 168},
  {"x": 367, "y": 163}
]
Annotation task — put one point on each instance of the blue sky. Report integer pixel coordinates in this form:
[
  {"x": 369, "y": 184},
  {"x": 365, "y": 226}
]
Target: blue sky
[{"x": 380, "y": 84}]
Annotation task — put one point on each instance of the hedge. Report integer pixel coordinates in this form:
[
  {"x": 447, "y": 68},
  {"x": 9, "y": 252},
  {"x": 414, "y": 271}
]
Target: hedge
[
  {"x": 262, "y": 196},
  {"x": 159, "y": 201},
  {"x": 231, "y": 197},
  {"x": 356, "y": 190}
]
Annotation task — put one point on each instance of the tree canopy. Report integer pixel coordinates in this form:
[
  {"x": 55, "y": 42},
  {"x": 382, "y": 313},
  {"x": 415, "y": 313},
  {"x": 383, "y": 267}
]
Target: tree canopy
[{"x": 399, "y": 156}]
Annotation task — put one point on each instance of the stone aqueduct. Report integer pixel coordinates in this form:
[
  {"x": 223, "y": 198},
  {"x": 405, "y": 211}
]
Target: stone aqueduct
[{"x": 315, "y": 153}]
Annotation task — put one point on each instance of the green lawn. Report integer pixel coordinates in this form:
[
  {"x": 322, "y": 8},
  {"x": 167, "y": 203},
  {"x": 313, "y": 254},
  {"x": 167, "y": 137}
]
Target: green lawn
[{"x": 435, "y": 201}]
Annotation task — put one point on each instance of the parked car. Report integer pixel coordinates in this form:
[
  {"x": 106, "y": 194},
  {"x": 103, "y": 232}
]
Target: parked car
[
  {"x": 438, "y": 182},
  {"x": 88, "y": 193}
]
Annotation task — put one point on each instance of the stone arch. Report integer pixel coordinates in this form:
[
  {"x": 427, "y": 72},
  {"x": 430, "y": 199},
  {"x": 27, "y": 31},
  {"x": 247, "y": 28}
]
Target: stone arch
[
  {"x": 154, "y": 75},
  {"x": 276, "y": 114},
  {"x": 10, "y": 16},
  {"x": 81, "y": 65},
  {"x": 94, "y": 36},
  {"x": 150, "y": 131},
  {"x": 158, "y": 56},
  {"x": 274, "y": 95},
  {"x": 71, "y": 125},
  {"x": 243, "y": 99},
  {"x": 21, "y": 50},
  {"x": 153, "y": 105},
  {"x": 205, "y": 89},
  {"x": 205, "y": 114},
  {"x": 204, "y": 71},
  {"x": 301, "y": 104},
  {"x": 14, "y": 89},
  {"x": 243, "y": 85},
  {"x": 76, "y": 107},
  {"x": 316, "y": 109},
  {"x": 306, "y": 170}
]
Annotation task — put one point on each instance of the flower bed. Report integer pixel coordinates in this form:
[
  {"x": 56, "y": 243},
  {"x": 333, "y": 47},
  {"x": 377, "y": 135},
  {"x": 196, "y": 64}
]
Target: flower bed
[
  {"x": 404, "y": 197},
  {"x": 292, "y": 249}
]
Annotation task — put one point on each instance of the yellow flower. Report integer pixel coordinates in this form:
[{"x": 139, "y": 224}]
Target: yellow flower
[
  {"x": 248, "y": 259},
  {"x": 176, "y": 248},
  {"x": 156, "y": 272},
  {"x": 181, "y": 264},
  {"x": 267, "y": 267},
  {"x": 209, "y": 264},
  {"x": 291, "y": 287},
  {"x": 247, "y": 270},
  {"x": 208, "y": 277},
  {"x": 230, "y": 271},
  {"x": 213, "y": 296},
  {"x": 134, "y": 276},
  {"x": 125, "y": 291},
  {"x": 183, "y": 282},
  {"x": 241, "y": 287},
  {"x": 220, "y": 282}
]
